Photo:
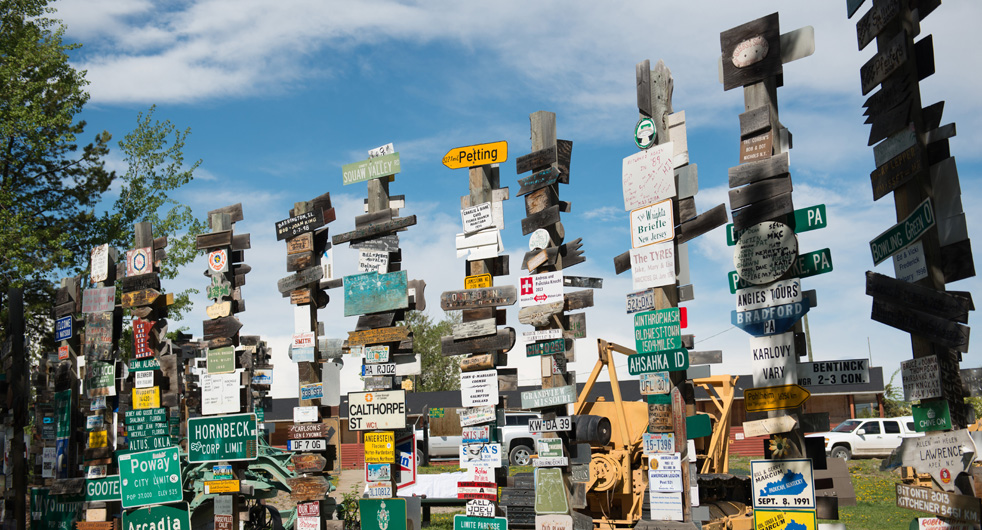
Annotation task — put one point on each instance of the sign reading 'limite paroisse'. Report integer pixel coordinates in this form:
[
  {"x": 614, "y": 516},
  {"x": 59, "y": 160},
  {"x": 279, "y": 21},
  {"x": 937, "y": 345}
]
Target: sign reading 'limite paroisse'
[
  {"x": 373, "y": 168},
  {"x": 230, "y": 438}
]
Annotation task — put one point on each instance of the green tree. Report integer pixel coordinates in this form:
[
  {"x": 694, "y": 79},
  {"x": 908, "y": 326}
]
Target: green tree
[
  {"x": 49, "y": 187},
  {"x": 439, "y": 372},
  {"x": 893, "y": 399}
]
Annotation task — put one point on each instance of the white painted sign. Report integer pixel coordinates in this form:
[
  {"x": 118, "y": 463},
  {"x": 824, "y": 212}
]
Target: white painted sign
[
  {"x": 480, "y": 453},
  {"x": 765, "y": 252},
  {"x": 373, "y": 261},
  {"x": 476, "y": 415},
  {"x": 921, "y": 378},
  {"x": 478, "y": 389},
  {"x": 143, "y": 379},
  {"x": 770, "y": 295},
  {"x": 477, "y": 218},
  {"x": 481, "y": 473},
  {"x": 100, "y": 263},
  {"x": 783, "y": 483},
  {"x": 768, "y": 426},
  {"x": 370, "y": 370},
  {"x": 652, "y": 224},
  {"x": 648, "y": 176},
  {"x": 552, "y": 461},
  {"x": 660, "y": 442},
  {"x": 540, "y": 289},
  {"x": 943, "y": 454},
  {"x": 909, "y": 264},
  {"x": 369, "y": 411},
  {"x": 304, "y": 414},
  {"x": 827, "y": 373},
  {"x": 553, "y": 521},
  {"x": 665, "y": 472},
  {"x": 220, "y": 393},
  {"x": 48, "y": 457},
  {"x": 653, "y": 266},
  {"x": 773, "y": 360},
  {"x": 539, "y": 239},
  {"x": 377, "y": 353},
  {"x": 479, "y": 507},
  {"x": 666, "y": 506},
  {"x": 542, "y": 334},
  {"x": 408, "y": 364},
  {"x": 655, "y": 383},
  {"x": 308, "y": 523}
]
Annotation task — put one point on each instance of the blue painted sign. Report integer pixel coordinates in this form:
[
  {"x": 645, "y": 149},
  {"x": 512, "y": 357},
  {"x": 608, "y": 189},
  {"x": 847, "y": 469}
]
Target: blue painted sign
[
  {"x": 372, "y": 292},
  {"x": 63, "y": 328},
  {"x": 770, "y": 320}
]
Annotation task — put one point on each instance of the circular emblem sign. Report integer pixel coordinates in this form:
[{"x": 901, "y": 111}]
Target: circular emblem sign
[
  {"x": 539, "y": 239},
  {"x": 218, "y": 260},
  {"x": 644, "y": 133},
  {"x": 765, "y": 252}
]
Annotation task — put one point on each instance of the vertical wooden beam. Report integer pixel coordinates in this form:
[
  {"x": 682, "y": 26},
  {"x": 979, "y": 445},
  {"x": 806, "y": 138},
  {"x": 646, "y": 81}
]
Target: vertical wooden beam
[{"x": 16, "y": 328}]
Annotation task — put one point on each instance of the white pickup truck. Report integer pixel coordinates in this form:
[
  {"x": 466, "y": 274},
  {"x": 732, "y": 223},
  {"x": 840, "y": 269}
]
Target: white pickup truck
[
  {"x": 873, "y": 437},
  {"x": 516, "y": 441}
]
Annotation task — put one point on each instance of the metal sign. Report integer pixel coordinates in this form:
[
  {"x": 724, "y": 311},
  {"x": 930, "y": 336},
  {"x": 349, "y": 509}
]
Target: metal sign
[
  {"x": 377, "y": 353},
  {"x": 550, "y": 491},
  {"x": 773, "y": 360},
  {"x": 828, "y": 373},
  {"x": 177, "y": 517},
  {"x": 774, "y": 398},
  {"x": 377, "y": 410},
  {"x": 220, "y": 360},
  {"x": 655, "y": 383},
  {"x": 773, "y": 519},
  {"x": 63, "y": 328},
  {"x": 476, "y": 155},
  {"x": 229, "y": 438},
  {"x": 383, "y": 514},
  {"x": 765, "y": 252},
  {"x": 146, "y": 398},
  {"x": 560, "y": 423},
  {"x": 931, "y": 416},
  {"x": 548, "y": 397},
  {"x": 479, "y": 388},
  {"x": 644, "y": 133},
  {"x": 373, "y": 168},
  {"x": 805, "y": 219},
  {"x": 658, "y": 331},
  {"x": 640, "y": 301},
  {"x": 770, "y": 320},
  {"x": 540, "y": 289},
  {"x": 943, "y": 455},
  {"x": 783, "y": 483},
  {"x": 658, "y": 442},
  {"x": 372, "y": 370},
  {"x": 150, "y": 477},
  {"x": 663, "y": 361},
  {"x": 380, "y": 447},
  {"x": 652, "y": 224},
  {"x": 378, "y": 472},
  {"x": 466, "y": 522},
  {"x": 103, "y": 489},
  {"x": 903, "y": 233},
  {"x": 477, "y": 281},
  {"x": 921, "y": 378}
]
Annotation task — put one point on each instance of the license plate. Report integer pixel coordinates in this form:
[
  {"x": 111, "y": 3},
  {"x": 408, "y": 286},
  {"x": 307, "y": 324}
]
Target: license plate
[
  {"x": 562, "y": 423},
  {"x": 379, "y": 490},
  {"x": 659, "y": 443},
  {"x": 378, "y": 369},
  {"x": 306, "y": 445}
]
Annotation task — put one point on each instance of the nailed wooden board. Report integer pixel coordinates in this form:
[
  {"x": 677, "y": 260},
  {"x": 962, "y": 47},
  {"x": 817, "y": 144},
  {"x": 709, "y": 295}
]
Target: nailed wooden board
[
  {"x": 891, "y": 121},
  {"x": 537, "y": 258},
  {"x": 375, "y": 293},
  {"x": 642, "y": 76},
  {"x": 301, "y": 243},
  {"x": 762, "y": 211},
  {"x": 706, "y": 357},
  {"x": 300, "y": 224},
  {"x": 564, "y": 150},
  {"x": 924, "y": 57},
  {"x": 371, "y": 218},
  {"x": 764, "y": 189},
  {"x": 755, "y": 120},
  {"x": 224, "y": 327},
  {"x": 541, "y": 199},
  {"x": 938, "y": 330},
  {"x": 884, "y": 63},
  {"x": 477, "y": 298},
  {"x": 701, "y": 224},
  {"x": 375, "y": 229},
  {"x": 769, "y": 29},
  {"x": 536, "y": 160},
  {"x": 571, "y": 253},
  {"x": 687, "y": 180},
  {"x": 299, "y": 262},
  {"x": 891, "y": 94},
  {"x": 300, "y": 279},
  {"x": 503, "y": 340},
  {"x": 476, "y": 328},
  {"x": 378, "y": 336},
  {"x": 537, "y": 181},
  {"x": 578, "y": 300},
  {"x": 214, "y": 240},
  {"x": 755, "y": 171},
  {"x": 234, "y": 211},
  {"x": 687, "y": 209},
  {"x": 376, "y": 320},
  {"x": 133, "y": 283},
  {"x": 938, "y": 303},
  {"x": 873, "y": 22},
  {"x": 622, "y": 262},
  {"x": 898, "y": 171},
  {"x": 583, "y": 281},
  {"x": 957, "y": 262},
  {"x": 543, "y": 219},
  {"x": 539, "y": 315}
]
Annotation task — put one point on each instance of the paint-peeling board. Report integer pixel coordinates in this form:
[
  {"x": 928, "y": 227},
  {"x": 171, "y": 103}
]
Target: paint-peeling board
[
  {"x": 476, "y": 328},
  {"x": 758, "y": 191},
  {"x": 375, "y": 293},
  {"x": 538, "y": 180},
  {"x": 755, "y": 171},
  {"x": 503, "y": 340},
  {"x": 767, "y": 29}
]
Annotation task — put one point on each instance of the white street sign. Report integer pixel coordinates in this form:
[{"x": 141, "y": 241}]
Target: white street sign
[
  {"x": 774, "y": 360},
  {"x": 828, "y": 373}
]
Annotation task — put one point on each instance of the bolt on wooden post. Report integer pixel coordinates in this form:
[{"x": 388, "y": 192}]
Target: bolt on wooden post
[
  {"x": 482, "y": 371},
  {"x": 381, "y": 294},
  {"x": 929, "y": 244},
  {"x": 314, "y": 437}
]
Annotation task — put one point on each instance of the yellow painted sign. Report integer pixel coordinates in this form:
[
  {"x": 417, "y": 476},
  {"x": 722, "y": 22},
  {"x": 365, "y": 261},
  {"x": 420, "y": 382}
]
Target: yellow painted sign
[
  {"x": 476, "y": 155},
  {"x": 221, "y": 486},
  {"x": 478, "y": 281},
  {"x": 774, "y": 398},
  {"x": 98, "y": 439},
  {"x": 380, "y": 447},
  {"x": 146, "y": 398},
  {"x": 779, "y": 520}
]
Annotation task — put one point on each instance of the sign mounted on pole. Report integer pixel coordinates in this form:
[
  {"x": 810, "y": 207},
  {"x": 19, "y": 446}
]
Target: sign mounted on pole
[
  {"x": 648, "y": 176},
  {"x": 903, "y": 233},
  {"x": 231, "y": 438},
  {"x": 644, "y": 133},
  {"x": 540, "y": 289},
  {"x": 377, "y": 410},
  {"x": 657, "y": 331},
  {"x": 373, "y": 168},
  {"x": 774, "y": 398},
  {"x": 943, "y": 455},
  {"x": 652, "y": 224},
  {"x": 828, "y": 373},
  {"x": 774, "y": 360},
  {"x": 765, "y": 252},
  {"x": 177, "y": 517},
  {"x": 150, "y": 477},
  {"x": 783, "y": 483},
  {"x": 921, "y": 378},
  {"x": 476, "y": 155},
  {"x": 662, "y": 361}
]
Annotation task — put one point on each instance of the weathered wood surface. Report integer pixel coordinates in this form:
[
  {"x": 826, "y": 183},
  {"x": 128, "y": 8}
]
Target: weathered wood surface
[
  {"x": 536, "y": 160},
  {"x": 762, "y": 211},
  {"x": 687, "y": 181},
  {"x": 300, "y": 224},
  {"x": 133, "y": 283},
  {"x": 478, "y": 298},
  {"x": 388, "y": 243},
  {"x": 578, "y": 300},
  {"x": 234, "y": 211},
  {"x": 642, "y": 75},
  {"x": 706, "y": 357},
  {"x": 767, "y": 27},
  {"x": 375, "y": 229},
  {"x": 764, "y": 189},
  {"x": 482, "y": 361},
  {"x": 376, "y": 320},
  {"x": 938, "y": 330},
  {"x": 503, "y": 340},
  {"x": 214, "y": 240},
  {"x": 571, "y": 253},
  {"x": 537, "y": 258},
  {"x": 687, "y": 210},
  {"x": 884, "y": 63},
  {"x": 922, "y": 298},
  {"x": 543, "y": 219},
  {"x": 583, "y": 281},
  {"x": 496, "y": 266},
  {"x": 957, "y": 262},
  {"x": 873, "y": 22},
  {"x": 538, "y": 180},
  {"x": 140, "y": 298},
  {"x": 476, "y": 328},
  {"x": 891, "y": 94},
  {"x": 898, "y": 171},
  {"x": 299, "y": 262},
  {"x": 224, "y": 327},
  {"x": 541, "y": 199},
  {"x": 755, "y": 171},
  {"x": 300, "y": 279},
  {"x": 622, "y": 262},
  {"x": 371, "y": 218},
  {"x": 702, "y": 223},
  {"x": 539, "y": 315},
  {"x": 755, "y": 120},
  {"x": 378, "y": 335},
  {"x": 768, "y": 426},
  {"x": 301, "y": 243}
]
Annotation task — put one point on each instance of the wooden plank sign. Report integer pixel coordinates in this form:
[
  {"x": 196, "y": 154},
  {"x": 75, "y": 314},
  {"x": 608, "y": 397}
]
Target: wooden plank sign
[
  {"x": 373, "y": 168},
  {"x": 939, "y": 303},
  {"x": 374, "y": 293},
  {"x": 768, "y": 426},
  {"x": 300, "y": 279},
  {"x": 937, "y": 330},
  {"x": 536, "y": 160},
  {"x": 476, "y": 155},
  {"x": 139, "y": 298},
  {"x": 648, "y": 177},
  {"x": 958, "y": 507},
  {"x": 299, "y": 224},
  {"x": 751, "y": 52},
  {"x": 478, "y": 298},
  {"x": 503, "y": 340},
  {"x": 884, "y": 63},
  {"x": 374, "y": 229},
  {"x": 378, "y": 335},
  {"x": 898, "y": 171}
]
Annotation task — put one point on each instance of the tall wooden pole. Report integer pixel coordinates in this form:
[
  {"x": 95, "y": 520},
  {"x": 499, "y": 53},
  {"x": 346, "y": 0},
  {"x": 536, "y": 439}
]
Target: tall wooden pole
[{"x": 18, "y": 370}]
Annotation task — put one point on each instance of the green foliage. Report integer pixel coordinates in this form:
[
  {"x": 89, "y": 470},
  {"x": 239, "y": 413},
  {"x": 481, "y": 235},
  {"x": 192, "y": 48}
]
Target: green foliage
[
  {"x": 893, "y": 399},
  {"x": 439, "y": 372}
]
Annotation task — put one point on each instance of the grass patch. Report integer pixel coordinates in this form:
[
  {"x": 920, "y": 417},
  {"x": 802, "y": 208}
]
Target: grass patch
[{"x": 442, "y": 521}]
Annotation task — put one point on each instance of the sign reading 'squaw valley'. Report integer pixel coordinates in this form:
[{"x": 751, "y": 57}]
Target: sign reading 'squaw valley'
[
  {"x": 229, "y": 438},
  {"x": 373, "y": 168}
]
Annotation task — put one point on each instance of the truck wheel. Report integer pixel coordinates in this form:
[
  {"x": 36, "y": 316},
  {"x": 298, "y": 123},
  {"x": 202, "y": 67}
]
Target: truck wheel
[
  {"x": 520, "y": 455},
  {"x": 841, "y": 451}
]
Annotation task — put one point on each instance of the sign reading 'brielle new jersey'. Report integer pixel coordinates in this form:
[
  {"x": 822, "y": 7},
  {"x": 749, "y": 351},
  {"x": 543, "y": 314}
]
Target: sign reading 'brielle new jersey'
[{"x": 652, "y": 224}]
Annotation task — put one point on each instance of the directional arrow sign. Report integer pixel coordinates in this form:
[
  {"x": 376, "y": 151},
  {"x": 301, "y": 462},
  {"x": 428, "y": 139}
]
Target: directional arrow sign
[
  {"x": 476, "y": 155},
  {"x": 770, "y": 320},
  {"x": 774, "y": 398}
]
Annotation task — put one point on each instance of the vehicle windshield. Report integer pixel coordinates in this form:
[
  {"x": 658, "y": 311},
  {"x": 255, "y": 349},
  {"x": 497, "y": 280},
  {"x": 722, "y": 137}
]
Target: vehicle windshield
[{"x": 847, "y": 426}]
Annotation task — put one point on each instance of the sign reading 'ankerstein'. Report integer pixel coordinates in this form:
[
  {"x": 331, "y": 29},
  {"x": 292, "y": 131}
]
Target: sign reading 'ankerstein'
[
  {"x": 230, "y": 438},
  {"x": 369, "y": 411}
]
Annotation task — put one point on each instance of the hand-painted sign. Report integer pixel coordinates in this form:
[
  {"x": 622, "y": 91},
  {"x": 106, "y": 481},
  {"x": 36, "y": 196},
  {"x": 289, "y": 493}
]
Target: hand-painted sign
[
  {"x": 548, "y": 397},
  {"x": 648, "y": 176},
  {"x": 827, "y": 373},
  {"x": 476, "y": 155},
  {"x": 652, "y": 224},
  {"x": 657, "y": 331},
  {"x": 220, "y": 393},
  {"x": 921, "y": 378},
  {"x": 476, "y": 415},
  {"x": 958, "y": 507},
  {"x": 373, "y": 168},
  {"x": 99, "y": 263},
  {"x": 300, "y": 224},
  {"x": 230, "y": 438},
  {"x": 653, "y": 265},
  {"x": 774, "y": 398},
  {"x": 373, "y": 261},
  {"x": 150, "y": 477},
  {"x": 662, "y": 361},
  {"x": 478, "y": 298},
  {"x": 141, "y": 338},
  {"x": 139, "y": 261},
  {"x": 943, "y": 455},
  {"x": 540, "y": 289},
  {"x": 765, "y": 252},
  {"x": 903, "y": 233},
  {"x": 377, "y": 410},
  {"x": 374, "y": 293},
  {"x": 774, "y": 361},
  {"x": 783, "y": 483},
  {"x": 99, "y": 300}
]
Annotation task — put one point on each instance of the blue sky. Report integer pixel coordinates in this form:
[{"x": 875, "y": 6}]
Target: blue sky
[{"x": 280, "y": 95}]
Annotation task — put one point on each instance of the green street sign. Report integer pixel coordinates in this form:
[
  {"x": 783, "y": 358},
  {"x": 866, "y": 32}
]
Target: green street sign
[
  {"x": 55, "y": 512},
  {"x": 102, "y": 489},
  {"x": 144, "y": 365},
  {"x": 150, "y": 443},
  {"x": 230, "y": 438},
  {"x": 659, "y": 330},
  {"x": 931, "y": 416},
  {"x": 373, "y": 168},
  {"x": 902, "y": 234},
  {"x": 663, "y": 361},
  {"x": 132, "y": 417},
  {"x": 220, "y": 360},
  {"x": 150, "y": 477},
  {"x": 63, "y": 406},
  {"x": 146, "y": 430},
  {"x": 176, "y": 517},
  {"x": 260, "y": 415},
  {"x": 463, "y": 522},
  {"x": 698, "y": 426},
  {"x": 807, "y": 265},
  {"x": 382, "y": 514},
  {"x": 805, "y": 220}
]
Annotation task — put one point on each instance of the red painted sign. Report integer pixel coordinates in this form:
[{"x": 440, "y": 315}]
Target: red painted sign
[{"x": 141, "y": 338}]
